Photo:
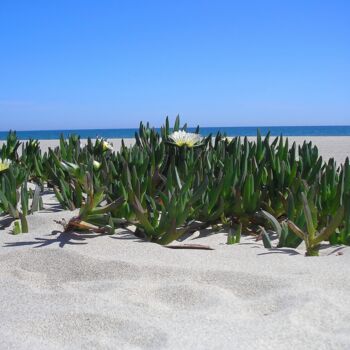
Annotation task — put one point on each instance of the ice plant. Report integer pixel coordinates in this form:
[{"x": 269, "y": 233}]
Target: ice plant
[
  {"x": 172, "y": 183},
  {"x": 182, "y": 138},
  {"x": 4, "y": 165},
  {"x": 311, "y": 236}
]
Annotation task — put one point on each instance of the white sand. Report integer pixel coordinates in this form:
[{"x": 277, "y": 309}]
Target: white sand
[
  {"x": 69, "y": 291},
  {"x": 337, "y": 147}
]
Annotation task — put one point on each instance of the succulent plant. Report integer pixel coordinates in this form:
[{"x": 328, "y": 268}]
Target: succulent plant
[
  {"x": 10, "y": 147},
  {"x": 286, "y": 237},
  {"x": 14, "y": 197},
  {"x": 234, "y": 235},
  {"x": 172, "y": 182},
  {"x": 311, "y": 236}
]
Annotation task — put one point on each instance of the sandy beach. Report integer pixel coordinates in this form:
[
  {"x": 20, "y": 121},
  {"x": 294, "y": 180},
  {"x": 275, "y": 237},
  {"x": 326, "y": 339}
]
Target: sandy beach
[
  {"x": 190, "y": 237},
  {"x": 86, "y": 291},
  {"x": 337, "y": 147}
]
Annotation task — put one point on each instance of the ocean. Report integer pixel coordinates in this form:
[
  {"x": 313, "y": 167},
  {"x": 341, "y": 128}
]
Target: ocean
[{"x": 338, "y": 130}]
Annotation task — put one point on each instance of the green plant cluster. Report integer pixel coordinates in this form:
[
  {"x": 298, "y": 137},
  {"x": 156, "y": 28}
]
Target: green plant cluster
[
  {"x": 169, "y": 189},
  {"x": 16, "y": 199}
]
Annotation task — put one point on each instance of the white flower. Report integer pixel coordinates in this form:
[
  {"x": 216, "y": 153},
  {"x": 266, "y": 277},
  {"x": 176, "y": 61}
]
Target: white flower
[
  {"x": 107, "y": 146},
  {"x": 96, "y": 165},
  {"x": 4, "y": 164},
  {"x": 183, "y": 138}
]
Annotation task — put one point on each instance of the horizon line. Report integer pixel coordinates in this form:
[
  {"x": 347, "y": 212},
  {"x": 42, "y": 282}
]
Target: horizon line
[{"x": 188, "y": 127}]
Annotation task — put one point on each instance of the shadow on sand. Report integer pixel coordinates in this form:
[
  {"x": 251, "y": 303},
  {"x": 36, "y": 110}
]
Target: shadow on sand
[
  {"x": 67, "y": 238},
  {"x": 288, "y": 251}
]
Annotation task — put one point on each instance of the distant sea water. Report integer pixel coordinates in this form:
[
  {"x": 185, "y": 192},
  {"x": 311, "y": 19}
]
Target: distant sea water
[{"x": 339, "y": 130}]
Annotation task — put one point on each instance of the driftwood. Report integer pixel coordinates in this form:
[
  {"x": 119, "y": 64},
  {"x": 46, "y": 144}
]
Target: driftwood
[{"x": 189, "y": 246}]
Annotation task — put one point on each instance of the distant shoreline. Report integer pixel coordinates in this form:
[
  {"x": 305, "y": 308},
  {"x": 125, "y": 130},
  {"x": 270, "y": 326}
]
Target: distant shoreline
[{"x": 310, "y": 131}]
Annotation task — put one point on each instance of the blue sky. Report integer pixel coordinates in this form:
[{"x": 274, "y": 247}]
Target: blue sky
[{"x": 109, "y": 64}]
